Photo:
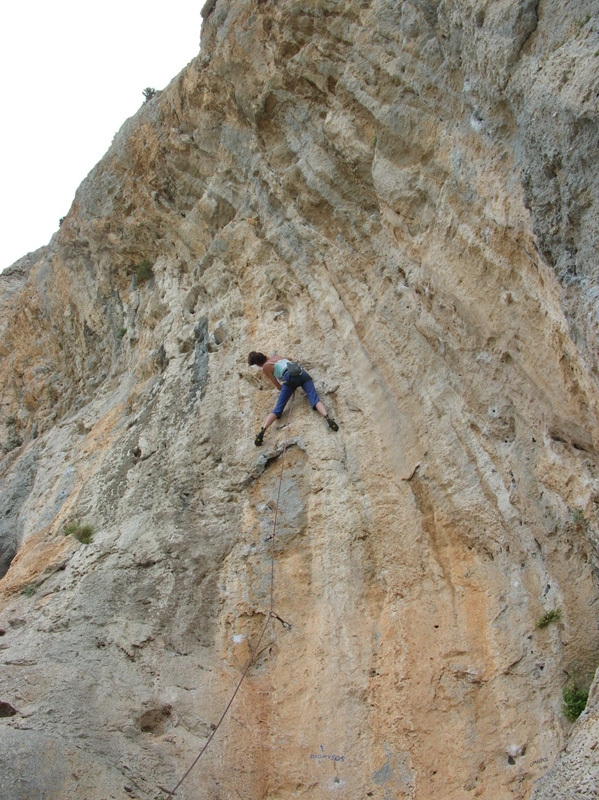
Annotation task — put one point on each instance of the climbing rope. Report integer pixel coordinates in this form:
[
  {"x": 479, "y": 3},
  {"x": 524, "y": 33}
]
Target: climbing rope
[{"x": 270, "y": 616}]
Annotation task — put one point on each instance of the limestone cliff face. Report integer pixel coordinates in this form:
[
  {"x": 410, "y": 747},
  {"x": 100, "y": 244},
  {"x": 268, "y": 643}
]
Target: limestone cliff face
[{"x": 403, "y": 196}]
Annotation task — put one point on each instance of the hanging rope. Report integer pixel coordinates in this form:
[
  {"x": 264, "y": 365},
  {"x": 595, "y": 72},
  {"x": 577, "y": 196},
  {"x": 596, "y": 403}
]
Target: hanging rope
[{"x": 270, "y": 616}]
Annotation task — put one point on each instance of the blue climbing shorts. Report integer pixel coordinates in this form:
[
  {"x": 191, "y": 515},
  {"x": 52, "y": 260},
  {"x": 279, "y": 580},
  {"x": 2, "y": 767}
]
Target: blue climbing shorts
[{"x": 290, "y": 384}]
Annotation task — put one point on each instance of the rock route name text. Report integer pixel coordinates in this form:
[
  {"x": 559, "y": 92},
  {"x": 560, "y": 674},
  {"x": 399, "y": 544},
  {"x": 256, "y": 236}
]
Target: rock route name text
[{"x": 323, "y": 755}]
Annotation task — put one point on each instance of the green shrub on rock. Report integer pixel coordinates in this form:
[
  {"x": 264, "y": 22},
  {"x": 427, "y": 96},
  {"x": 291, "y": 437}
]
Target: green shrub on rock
[
  {"x": 143, "y": 271},
  {"x": 83, "y": 533},
  {"x": 550, "y": 616},
  {"x": 575, "y": 701}
]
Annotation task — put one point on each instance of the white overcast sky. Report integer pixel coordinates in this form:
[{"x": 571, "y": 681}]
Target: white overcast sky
[{"x": 71, "y": 73}]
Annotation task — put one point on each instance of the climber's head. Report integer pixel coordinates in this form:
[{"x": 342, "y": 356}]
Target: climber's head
[{"x": 256, "y": 358}]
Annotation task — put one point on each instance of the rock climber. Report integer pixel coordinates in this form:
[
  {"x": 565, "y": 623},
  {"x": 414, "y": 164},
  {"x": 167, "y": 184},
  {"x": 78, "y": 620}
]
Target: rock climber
[{"x": 279, "y": 371}]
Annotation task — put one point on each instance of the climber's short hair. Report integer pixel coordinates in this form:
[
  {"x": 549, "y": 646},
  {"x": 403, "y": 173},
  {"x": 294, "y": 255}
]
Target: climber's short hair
[{"x": 256, "y": 358}]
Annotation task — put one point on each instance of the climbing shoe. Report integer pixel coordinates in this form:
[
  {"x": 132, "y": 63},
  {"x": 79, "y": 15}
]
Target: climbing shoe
[
  {"x": 259, "y": 438},
  {"x": 331, "y": 423}
]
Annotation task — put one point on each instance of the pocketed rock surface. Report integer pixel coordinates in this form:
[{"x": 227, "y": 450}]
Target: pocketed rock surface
[{"x": 403, "y": 197}]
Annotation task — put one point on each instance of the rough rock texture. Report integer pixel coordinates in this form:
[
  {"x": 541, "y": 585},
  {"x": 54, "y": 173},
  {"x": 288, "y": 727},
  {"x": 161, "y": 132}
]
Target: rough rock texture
[{"x": 403, "y": 196}]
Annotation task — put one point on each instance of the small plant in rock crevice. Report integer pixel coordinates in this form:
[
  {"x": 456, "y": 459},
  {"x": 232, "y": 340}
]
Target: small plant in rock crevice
[
  {"x": 83, "y": 533},
  {"x": 580, "y": 522},
  {"x": 12, "y": 442},
  {"x": 550, "y": 616},
  {"x": 143, "y": 271},
  {"x": 575, "y": 701},
  {"x": 13, "y": 439},
  {"x": 29, "y": 591}
]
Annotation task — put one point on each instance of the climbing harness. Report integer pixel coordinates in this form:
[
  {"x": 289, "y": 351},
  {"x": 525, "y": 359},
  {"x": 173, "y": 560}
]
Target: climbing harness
[{"x": 272, "y": 615}]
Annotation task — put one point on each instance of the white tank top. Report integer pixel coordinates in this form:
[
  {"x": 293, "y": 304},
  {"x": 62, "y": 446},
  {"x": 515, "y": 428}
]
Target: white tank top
[{"x": 280, "y": 367}]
